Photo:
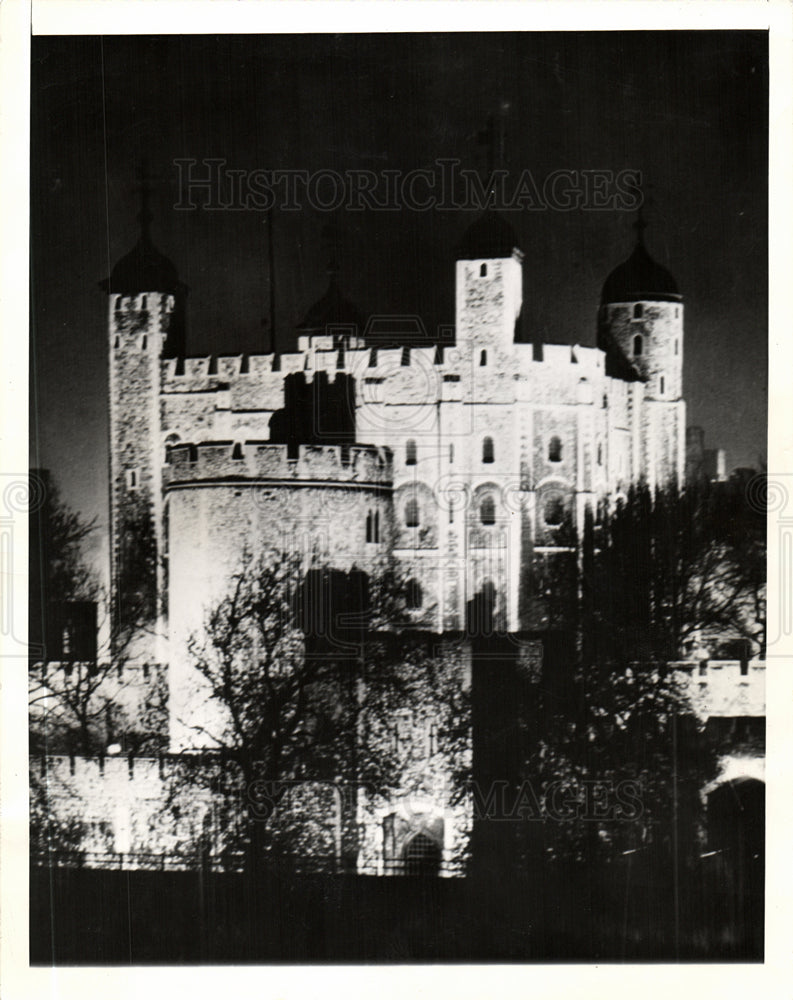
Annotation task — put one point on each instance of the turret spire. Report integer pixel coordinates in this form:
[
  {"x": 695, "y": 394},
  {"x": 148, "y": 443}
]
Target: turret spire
[
  {"x": 144, "y": 188},
  {"x": 640, "y": 225}
]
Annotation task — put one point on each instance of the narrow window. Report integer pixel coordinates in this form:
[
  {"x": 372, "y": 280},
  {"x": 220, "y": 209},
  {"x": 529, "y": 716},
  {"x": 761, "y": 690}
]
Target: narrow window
[
  {"x": 677, "y": 311},
  {"x": 677, "y": 347},
  {"x": 483, "y": 359},
  {"x": 638, "y": 311},
  {"x": 637, "y": 345},
  {"x": 143, "y": 302},
  {"x": 369, "y": 526},
  {"x": 410, "y": 452},
  {"x": 236, "y": 452},
  {"x": 413, "y": 596},
  {"x": 662, "y": 385},
  {"x": 555, "y": 449},
  {"x": 118, "y": 304},
  {"x": 451, "y": 454},
  {"x": 488, "y": 451},
  {"x": 144, "y": 342},
  {"x": 116, "y": 341},
  {"x": 600, "y": 454},
  {"x": 376, "y": 531},
  {"x": 487, "y": 512},
  {"x": 66, "y": 642},
  {"x": 132, "y": 479},
  {"x": 412, "y": 513},
  {"x": 373, "y": 526},
  {"x": 483, "y": 270},
  {"x": 553, "y": 511},
  {"x": 405, "y": 357}
]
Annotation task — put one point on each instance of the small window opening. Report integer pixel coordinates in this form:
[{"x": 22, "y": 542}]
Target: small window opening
[
  {"x": 483, "y": 359},
  {"x": 410, "y": 452},
  {"x": 677, "y": 347},
  {"x": 116, "y": 341},
  {"x": 555, "y": 449},
  {"x": 373, "y": 526},
  {"x": 451, "y": 454},
  {"x": 483, "y": 270},
  {"x": 487, "y": 512},
  {"x": 132, "y": 479},
  {"x": 488, "y": 451},
  {"x": 144, "y": 342},
  {"x": 143, "y": 302},
  {"x": 638, "y": 311},
  {"x": 236, "y": 452},
  {"x": 600, "y": 454},
  {"x": 414, "y": 597},
  {"x": 638, "y": 345},
  {"x": 553, "y": 511},
  {"x": 412, "y": 513},
  {"x": 405, "y": 357},
  {"x": 662, "y": 385}
]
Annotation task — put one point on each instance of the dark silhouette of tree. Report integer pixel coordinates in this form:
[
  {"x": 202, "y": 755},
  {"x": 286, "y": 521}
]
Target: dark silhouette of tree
[
  {"x": 304, "y": 671},
  {"x": 76, "y": 689},
  {"x": 662, "y": 572}
]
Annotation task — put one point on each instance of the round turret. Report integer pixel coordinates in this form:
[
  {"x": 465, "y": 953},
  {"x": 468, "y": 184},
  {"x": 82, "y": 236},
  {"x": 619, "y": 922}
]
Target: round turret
[{"x": 640, "y": 323}]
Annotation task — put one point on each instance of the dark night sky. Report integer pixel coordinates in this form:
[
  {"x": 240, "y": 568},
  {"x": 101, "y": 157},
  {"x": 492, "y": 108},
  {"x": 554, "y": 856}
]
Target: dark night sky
[{"x": 687, "y": 109}]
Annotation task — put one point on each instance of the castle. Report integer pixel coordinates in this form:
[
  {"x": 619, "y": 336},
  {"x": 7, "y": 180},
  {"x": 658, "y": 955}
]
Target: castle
[
  {"x": 472, "y": 463},
  {"x": 464, "y": 460}
]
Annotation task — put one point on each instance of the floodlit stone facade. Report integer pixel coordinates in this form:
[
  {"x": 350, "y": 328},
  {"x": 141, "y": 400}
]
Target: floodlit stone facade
[{"x": 466, "y": 460}]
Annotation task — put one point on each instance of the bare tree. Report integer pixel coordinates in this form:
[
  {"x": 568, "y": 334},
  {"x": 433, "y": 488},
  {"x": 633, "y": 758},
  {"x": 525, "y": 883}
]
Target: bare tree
[
  {"x": 77, "y": 692},
  {"x": 304, "y": 669}
]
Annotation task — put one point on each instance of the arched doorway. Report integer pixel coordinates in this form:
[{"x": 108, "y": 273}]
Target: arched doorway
[{"x": 421, "y": 855}]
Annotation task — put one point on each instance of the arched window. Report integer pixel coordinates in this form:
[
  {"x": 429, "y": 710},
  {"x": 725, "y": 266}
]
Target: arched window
[
  {"x": 483, "y": 270},
  {"x": 412, "y": 513},
  {"x": 487, "y": 510},
  {"x": 488, "y": 450},
  {"x": 414, "y": 597},
  {"x": 638, "y": 345},
  {"x": 555, "y": 449},
  {"x": 236, "y": 452},
  {"x": 553, "y": 511},
  {"x": 410, "y": 452},
  {"x": 483, "y": 359},
  {"x": 638, "y": 311}
]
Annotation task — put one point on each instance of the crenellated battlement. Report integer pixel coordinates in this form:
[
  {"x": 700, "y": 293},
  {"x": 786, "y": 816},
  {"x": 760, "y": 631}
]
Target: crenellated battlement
[{"x": 260, "y": 460}]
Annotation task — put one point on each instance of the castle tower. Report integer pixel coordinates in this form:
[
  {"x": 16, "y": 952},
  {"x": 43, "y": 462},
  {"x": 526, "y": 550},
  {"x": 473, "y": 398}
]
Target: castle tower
[
  {"x": 489, "y": 283},
  {"x": 641, "y": 321},
  {"x": 145, "y": 323}
]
